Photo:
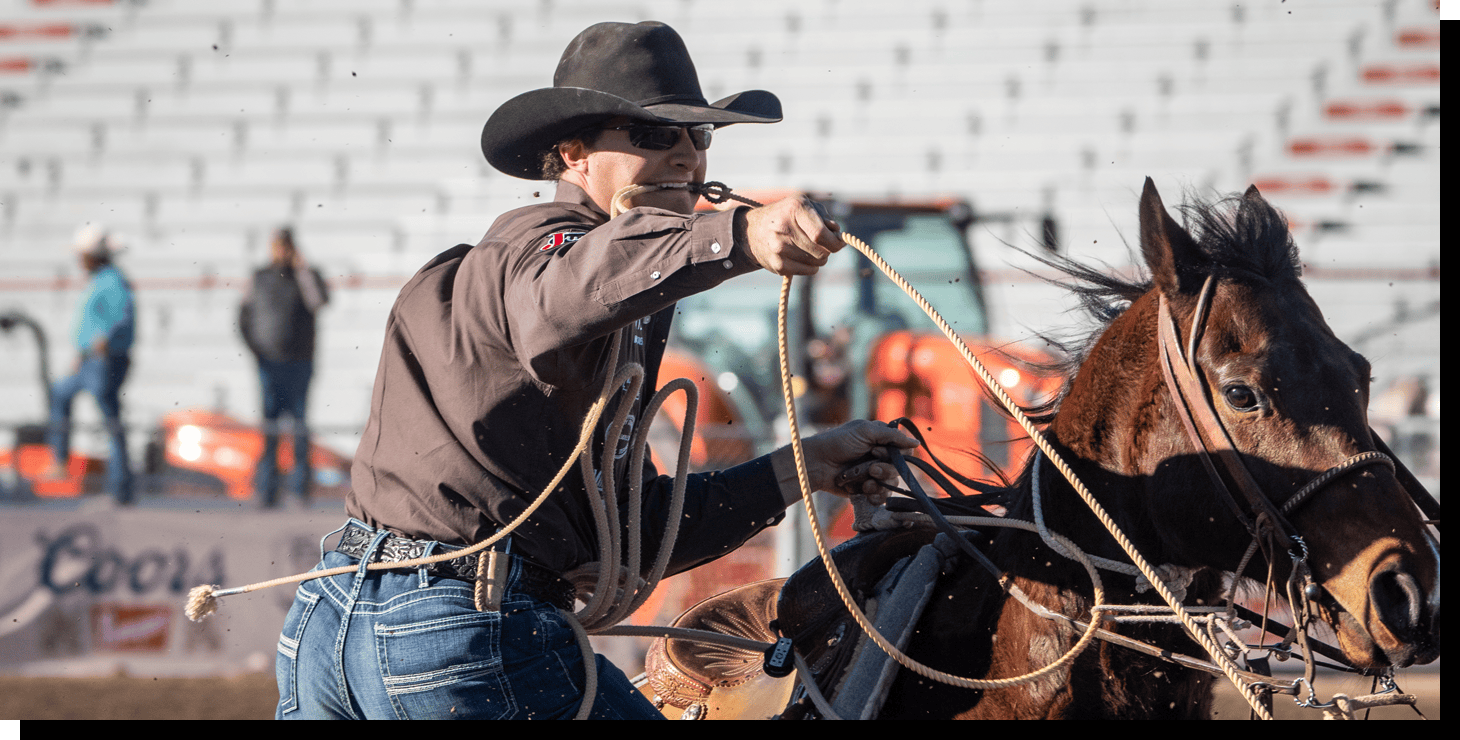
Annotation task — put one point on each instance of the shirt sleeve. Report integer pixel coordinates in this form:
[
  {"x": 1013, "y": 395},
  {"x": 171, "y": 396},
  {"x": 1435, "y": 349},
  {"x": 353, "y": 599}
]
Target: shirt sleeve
[
  {"x": 571, "y": 283},
  {"x": 245, "y": 317},
  {"x": 722, "y": 510},
  {"x": 311, "y": 288}
]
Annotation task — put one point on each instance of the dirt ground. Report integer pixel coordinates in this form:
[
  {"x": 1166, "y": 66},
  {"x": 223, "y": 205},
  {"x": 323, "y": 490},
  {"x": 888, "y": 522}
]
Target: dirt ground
[
  {"x": 250, "y": 696},
  {"x": 253, "y": 696}
]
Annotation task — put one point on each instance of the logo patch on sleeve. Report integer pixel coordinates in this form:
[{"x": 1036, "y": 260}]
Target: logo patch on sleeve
[{"x": 561, "y": 238}]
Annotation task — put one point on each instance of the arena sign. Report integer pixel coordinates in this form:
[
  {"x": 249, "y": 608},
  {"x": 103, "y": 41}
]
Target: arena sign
[{"x": 95, "y": 592}]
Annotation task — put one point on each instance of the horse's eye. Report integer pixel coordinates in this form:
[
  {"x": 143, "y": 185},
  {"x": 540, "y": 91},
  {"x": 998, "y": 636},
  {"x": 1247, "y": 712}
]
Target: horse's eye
[{"x": 1240, "y": 397}]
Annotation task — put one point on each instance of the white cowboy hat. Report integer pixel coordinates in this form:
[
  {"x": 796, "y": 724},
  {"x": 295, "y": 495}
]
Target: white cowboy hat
[{"x": 93, "y": 240}]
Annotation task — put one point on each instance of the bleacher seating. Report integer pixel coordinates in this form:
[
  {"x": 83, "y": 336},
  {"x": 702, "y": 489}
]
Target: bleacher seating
[{"x": 194, "y": 128}]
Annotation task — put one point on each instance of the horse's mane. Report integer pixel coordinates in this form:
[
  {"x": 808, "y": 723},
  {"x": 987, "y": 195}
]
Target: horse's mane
[{"x": 1238, "y": 236}]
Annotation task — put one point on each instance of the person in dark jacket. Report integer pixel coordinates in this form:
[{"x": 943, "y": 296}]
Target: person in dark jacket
[{"x": 277, "y": 319}]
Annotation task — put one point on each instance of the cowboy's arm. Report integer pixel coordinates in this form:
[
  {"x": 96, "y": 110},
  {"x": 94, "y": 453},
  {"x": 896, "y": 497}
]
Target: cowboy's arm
[
  {"x": 724, "y": 509},
  {"x": 566, "y": 298}
]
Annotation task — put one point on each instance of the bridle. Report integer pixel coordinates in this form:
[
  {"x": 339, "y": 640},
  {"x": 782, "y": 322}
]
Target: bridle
[
  {"x": 1268, "y": 524},
  {"x": 1261, "y": 518}
]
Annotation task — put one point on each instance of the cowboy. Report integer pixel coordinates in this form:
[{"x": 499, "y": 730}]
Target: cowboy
[
  {"x": 493, "y": 356},
  {"x": 105, "y": 326}
]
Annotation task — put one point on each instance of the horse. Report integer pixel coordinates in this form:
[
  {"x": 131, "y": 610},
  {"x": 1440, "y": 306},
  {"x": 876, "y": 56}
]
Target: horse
[{"x": 1290, "y": 400}]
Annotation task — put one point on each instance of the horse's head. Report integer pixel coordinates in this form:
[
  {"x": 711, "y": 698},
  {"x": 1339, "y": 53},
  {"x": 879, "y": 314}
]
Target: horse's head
[{"x": 1292, "y": 398}]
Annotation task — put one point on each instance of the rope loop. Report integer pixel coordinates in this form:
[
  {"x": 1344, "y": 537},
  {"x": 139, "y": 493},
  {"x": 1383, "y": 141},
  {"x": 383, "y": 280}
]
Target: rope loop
[{"x": 713, "y": 191}]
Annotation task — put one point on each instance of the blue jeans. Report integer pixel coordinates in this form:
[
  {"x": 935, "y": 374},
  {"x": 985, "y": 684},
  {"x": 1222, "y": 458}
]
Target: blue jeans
[
  {"x": 407, "y": 645},
  {"x": 286, "y": 391},
  {"x": 101, "y": 377}
]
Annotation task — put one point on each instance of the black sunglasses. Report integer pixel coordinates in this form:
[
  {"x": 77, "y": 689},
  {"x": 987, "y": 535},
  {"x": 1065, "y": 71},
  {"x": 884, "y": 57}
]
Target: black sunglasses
[{"x": 660, "y": 138}]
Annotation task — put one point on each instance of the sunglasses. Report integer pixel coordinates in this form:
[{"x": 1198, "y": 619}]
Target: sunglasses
[{"x": 661, "y": 138}]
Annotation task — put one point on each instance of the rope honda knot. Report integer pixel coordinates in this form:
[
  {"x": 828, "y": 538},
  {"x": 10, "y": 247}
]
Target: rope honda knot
[{"x": 713, "y": 191}]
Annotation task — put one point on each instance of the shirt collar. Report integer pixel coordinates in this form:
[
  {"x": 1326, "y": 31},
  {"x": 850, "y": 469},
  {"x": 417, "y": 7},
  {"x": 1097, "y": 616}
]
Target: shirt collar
[{"x": 570, "y": 193}]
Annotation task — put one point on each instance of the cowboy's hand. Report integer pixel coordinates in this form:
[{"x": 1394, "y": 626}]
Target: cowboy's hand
[
  {"x": 829, "y": 453},
  {"x": 791, "y": 236}
]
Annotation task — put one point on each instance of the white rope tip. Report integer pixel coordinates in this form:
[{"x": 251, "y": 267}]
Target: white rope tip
[{"x": 202, "y": 601}]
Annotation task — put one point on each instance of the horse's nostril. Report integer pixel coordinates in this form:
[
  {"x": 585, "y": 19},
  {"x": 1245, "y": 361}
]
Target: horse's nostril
[{"x": 1397, "y": 597}]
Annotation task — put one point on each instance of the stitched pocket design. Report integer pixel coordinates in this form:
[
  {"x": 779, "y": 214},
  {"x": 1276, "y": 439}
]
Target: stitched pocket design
[
  {"x": 446, "y": 667},
  {"x": 286, "y": 665}
]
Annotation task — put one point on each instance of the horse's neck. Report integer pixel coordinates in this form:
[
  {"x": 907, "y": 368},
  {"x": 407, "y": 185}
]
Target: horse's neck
[
  {"x": 1111, "y": 430},
  {"x": 1107, "y": 680},
  {"x": 1066, "y": 513},
  {"x": 1112, "y": 409}
]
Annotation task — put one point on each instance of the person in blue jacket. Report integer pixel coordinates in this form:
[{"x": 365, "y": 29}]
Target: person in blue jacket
[{"x": 103, "y": 334}]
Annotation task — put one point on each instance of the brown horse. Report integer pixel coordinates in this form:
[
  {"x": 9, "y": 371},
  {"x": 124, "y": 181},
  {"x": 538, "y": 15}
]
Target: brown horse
[{"x": 1292, "y": 399}]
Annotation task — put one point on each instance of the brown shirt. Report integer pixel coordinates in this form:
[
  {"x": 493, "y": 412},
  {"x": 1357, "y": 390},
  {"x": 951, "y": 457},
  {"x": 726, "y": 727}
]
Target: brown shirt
[{"x": 493, "y": 355}]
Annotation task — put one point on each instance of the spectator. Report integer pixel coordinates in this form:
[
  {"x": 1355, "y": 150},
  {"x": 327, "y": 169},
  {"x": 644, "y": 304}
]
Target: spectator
[
  {"x": 104, "y": 331},
  {"x": 277, "y": 322}
]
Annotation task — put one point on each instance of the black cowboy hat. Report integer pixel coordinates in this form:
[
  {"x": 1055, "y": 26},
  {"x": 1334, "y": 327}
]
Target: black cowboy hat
[{"x": 641, "y": 71}]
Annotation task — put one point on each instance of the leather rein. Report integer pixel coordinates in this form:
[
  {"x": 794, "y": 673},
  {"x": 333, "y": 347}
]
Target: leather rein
[{"x": 1266, "y": 522}]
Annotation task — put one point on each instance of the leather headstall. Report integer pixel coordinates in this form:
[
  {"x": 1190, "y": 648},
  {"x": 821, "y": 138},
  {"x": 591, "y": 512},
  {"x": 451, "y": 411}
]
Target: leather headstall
[
  {"x": 1214, "y": 446},
  {"x": 1203, "y": 427}
]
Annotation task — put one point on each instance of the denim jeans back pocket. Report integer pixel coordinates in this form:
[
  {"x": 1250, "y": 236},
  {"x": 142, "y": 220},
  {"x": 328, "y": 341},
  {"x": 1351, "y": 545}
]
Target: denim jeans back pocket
[
  {"x": 445, "y": 667},
  {"x": 286, "y": 664}
]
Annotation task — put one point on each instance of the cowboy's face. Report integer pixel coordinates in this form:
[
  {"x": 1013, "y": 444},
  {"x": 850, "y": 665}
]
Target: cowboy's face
[{"x": 613, "y": 163}]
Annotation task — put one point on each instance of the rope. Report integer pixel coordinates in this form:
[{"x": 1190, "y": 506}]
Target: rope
[
  {"x": 1218, "y": 656},
  {"x": 203, "y": 600},
  {"x": 1045, "y": 534},
  {"x": 601, "y": 612},
  {"x": 716, "y": 193},
  {"x": 836, "y": 579}
]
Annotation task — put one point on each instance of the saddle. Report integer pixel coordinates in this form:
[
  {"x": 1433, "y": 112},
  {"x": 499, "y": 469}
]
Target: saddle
[
  {"x": 697, "y": 680},
  {"x": 693, "y": 680}
]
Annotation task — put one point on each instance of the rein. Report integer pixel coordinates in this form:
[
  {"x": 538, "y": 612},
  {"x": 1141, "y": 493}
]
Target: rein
[
  {"x": 1266, "y": 523},
  {"x": 1188, "y": 622},
  {"x": 613, "y": 598},
  {"x": 1209, "y": 436}
]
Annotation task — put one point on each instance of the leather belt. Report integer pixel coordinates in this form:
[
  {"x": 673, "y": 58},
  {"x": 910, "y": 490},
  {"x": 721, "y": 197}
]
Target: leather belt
[{"x": 533, "y": 580}]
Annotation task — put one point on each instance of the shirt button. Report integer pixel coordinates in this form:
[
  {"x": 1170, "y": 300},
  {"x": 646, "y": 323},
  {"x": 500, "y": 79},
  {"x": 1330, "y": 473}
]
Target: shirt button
[
  {"x": 728, "y": 264},
  {"x": 654, "y": 274},
  {"x": 715, "y": 247}
]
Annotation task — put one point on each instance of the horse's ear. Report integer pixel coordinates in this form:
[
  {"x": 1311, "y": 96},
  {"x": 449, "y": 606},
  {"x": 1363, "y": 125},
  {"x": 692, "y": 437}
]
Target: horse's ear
[{"x": 1169, "y": 250}]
